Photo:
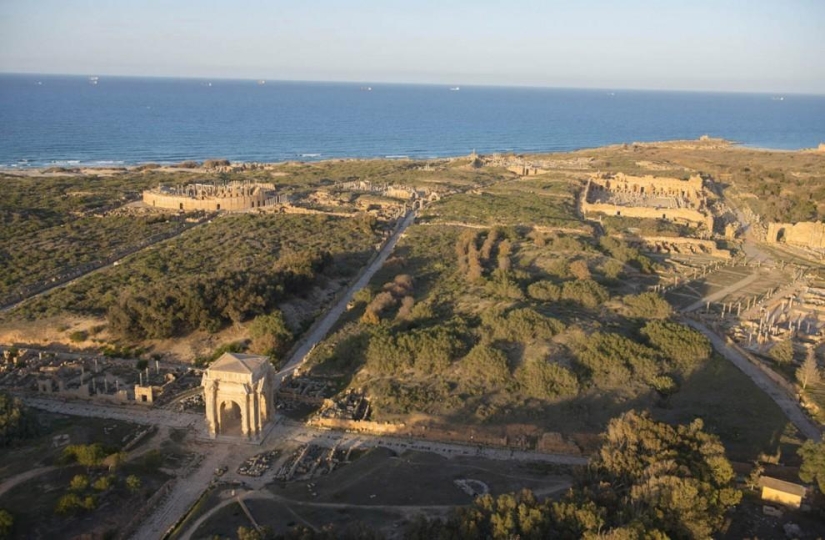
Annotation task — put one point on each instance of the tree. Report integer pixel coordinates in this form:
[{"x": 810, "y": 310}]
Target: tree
[
  {"x": 678, "y": 342},
  {"x": 649, "y": 480},
  {"x": 68, "y": 504},
  {"x": 6, "y": 524},
  {"x": 133, "y": 483},
  {"x": 543, "y": 380},
  {"x": 103, "y": 483},
  {"x": 79, "y": 483},
  {"x": 808, "y": 372},
  {"x": 648, "y": 305},
  {"x": 16, "y": 422},
  {"x": 782, "y": 352},
  {"x": 545, "y": 291},
  {"x": 88, "y": 455},
  {"x": 248, "y": 533},
  {"x": 270, "y": 335},
  {"x": 813, "y": 463}
]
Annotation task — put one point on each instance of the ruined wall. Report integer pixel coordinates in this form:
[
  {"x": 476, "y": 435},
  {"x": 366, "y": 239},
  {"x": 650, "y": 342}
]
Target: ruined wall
[
  {"x": 692, "y": 188},
  {"x": 684, "y": 246},
  {"x": 512, "y": 436},
  {"x": 525, "y": 170},
  {"x": 648, "y": 186},
  {"x": 808, "y": 234},
  {"x": 189, "y": 204},
  {"x": 679, "y": 215}
]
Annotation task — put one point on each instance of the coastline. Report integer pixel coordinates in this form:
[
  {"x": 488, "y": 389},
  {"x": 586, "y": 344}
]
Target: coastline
[{"x": 112, "y": 167}]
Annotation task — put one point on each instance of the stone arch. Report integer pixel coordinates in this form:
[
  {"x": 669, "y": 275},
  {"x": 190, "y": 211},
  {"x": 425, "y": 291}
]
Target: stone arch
[
  {"x": 238, "y": 395},
  {"x": 781, "y": 234}
]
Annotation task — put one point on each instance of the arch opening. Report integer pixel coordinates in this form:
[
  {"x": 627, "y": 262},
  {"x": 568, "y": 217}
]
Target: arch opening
[{"x": 230, "y": 419}]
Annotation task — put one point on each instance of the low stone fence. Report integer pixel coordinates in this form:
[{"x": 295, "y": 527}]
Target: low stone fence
[{"x": 521, "y": 437}]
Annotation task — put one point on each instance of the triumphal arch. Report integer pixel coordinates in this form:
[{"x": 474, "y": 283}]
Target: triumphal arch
[{"x": 237, "y": 392}]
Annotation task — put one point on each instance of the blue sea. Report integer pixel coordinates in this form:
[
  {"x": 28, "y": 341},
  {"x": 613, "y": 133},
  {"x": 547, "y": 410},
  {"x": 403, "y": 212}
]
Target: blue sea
[{"x": 61, "y": 120}]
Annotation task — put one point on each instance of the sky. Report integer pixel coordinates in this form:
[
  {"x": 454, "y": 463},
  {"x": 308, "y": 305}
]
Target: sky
[{"x": 714, "y": 45}]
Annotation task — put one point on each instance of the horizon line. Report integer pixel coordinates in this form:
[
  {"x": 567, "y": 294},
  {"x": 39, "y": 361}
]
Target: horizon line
[{"x": 397, "y": 83}]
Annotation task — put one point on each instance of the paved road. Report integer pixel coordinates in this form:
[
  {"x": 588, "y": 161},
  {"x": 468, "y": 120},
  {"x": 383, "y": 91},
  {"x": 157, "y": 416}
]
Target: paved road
[
  {"x": 125, "y": 413},
  {"x": 320, "y": 330},
  {"x": 786, "y": 402},
  {"x": 184, "y": 494},
  {"x": 730, "y": 289}
]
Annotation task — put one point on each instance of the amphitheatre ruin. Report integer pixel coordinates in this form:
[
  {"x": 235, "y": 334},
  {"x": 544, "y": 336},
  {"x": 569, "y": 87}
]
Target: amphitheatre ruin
[
  {"x": 671, "y": 199},
  {"x": 232, "y": 196}
]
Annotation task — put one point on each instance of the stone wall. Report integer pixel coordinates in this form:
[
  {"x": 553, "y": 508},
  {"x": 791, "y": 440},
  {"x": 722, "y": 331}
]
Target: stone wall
[
  {"x": 649, "y": 185},
  {"x": 647, "y": 191},
  {"x": 686, "y": 216},
  {"x": 807, "y": 234},
  {"x": 520, "y": 436},
  {"x": 675, "y": 245},
  {"x": 210, "y": 204}
]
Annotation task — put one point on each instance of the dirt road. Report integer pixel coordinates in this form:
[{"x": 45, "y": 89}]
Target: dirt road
[{"x": 59, "y": 283}]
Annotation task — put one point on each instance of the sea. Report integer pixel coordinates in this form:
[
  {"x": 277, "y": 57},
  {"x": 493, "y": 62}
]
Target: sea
[{"x": 98, "y": 121}]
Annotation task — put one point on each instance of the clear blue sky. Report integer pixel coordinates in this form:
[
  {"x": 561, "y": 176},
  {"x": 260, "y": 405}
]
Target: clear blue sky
[{"x": 753, "y": 45}]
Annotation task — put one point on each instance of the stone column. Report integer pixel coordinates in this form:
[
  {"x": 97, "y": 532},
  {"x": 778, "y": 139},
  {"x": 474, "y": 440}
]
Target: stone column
[{"x": 245, "y": 416}]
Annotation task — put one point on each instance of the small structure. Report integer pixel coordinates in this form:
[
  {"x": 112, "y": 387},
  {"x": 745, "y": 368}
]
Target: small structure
[
  {"x": 237, "y": 391},
  {"x": 779, "y": 491},
  {"x": 144, "y": 394}
]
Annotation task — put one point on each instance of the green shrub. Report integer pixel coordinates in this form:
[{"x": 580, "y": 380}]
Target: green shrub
[
  {"x": 648, "y": 305},
  {"x": 586, "y": 293},
  {"x": 682, "y": 344}
]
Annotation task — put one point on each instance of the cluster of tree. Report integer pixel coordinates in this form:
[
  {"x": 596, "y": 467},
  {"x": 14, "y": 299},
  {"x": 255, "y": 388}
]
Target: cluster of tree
[
  {"x": 518, "y": 325},
  {"x": 621, "y": 251},
  {"x": 270, "y": 334},
  {"x": 16, "y": 422},
  {"x": 813, "y": 463},
  {"x": 647, "y": 305},
  {"x": 782, "y": 198},
  {"x": 427, "y": 351},
  {"x": 494, "y": 253},
  {"x": 649, "y": 480},
  {"x": 395, "y": 397},
  {"x": 610, "y": 360},
  {"x": 167, "y": 309},
  {"x": 584, "y": 292},
  {"x": 678, "y": 343},
  {"x": 399, "y": 290},
  {"x": 545, "y": 380},
  {"x": 92, "y": 455}
]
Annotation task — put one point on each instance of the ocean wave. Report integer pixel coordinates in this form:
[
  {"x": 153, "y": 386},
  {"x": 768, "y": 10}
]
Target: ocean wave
[{"x": 310, "y": 155}]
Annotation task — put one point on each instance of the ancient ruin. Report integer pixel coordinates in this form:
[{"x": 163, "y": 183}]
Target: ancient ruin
[
  {"x": 238, "y": 395},
  {"x": 231, "y": 196},
  {"x": 671, "y": 199},
  {"x": 805, "y": 234}
]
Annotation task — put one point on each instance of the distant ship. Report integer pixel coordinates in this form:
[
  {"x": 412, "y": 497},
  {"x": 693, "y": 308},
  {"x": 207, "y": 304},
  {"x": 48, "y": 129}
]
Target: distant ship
[
  {"x": 262, "y": 82},
  {"x": 93, "y": 80},
  {"x": 366, "y": 88},
  {"x": 455, "y": 88},
  {"x": 778, "y": 98}
]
